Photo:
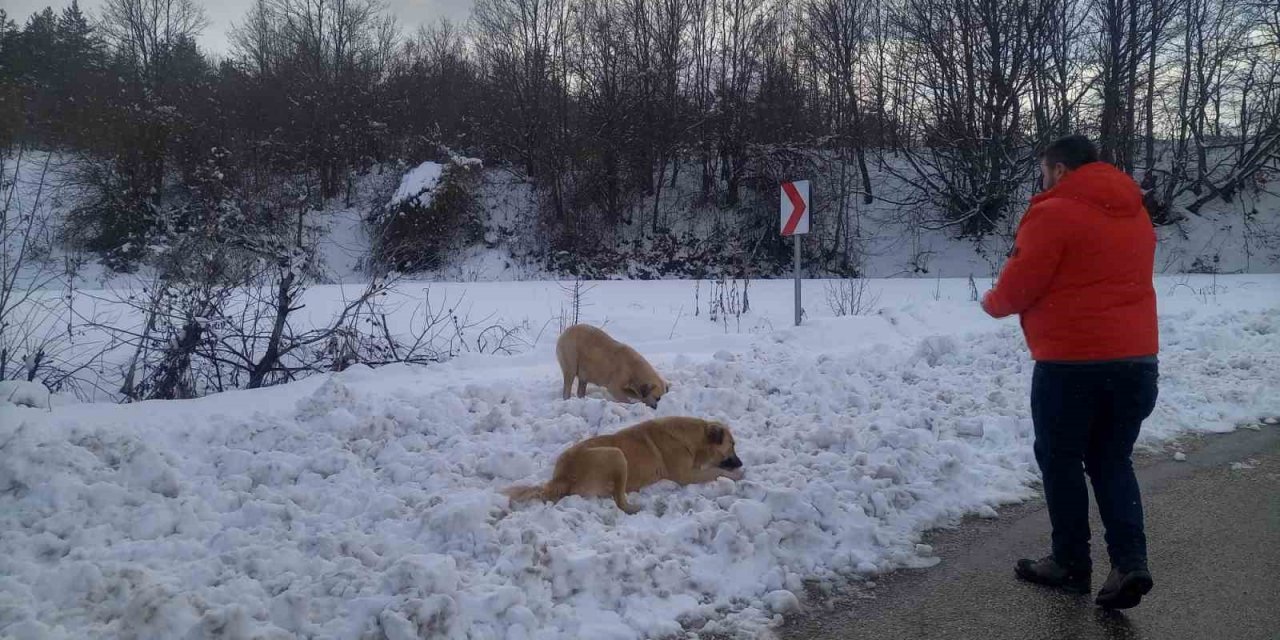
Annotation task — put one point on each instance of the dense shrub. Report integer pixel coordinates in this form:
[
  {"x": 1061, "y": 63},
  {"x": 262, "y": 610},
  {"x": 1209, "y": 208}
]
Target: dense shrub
[{"x": 417, "y": 231}]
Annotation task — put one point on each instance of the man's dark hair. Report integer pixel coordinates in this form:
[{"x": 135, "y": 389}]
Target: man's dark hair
[{"x": 1072, "y": 151}]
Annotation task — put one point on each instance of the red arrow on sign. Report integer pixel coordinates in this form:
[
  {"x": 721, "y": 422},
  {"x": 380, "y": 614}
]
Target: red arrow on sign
[{"x": 797, "y": 208}]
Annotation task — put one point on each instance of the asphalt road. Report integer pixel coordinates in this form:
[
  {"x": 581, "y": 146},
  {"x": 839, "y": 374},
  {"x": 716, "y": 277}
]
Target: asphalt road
[{"x": 1213, "y": 540}]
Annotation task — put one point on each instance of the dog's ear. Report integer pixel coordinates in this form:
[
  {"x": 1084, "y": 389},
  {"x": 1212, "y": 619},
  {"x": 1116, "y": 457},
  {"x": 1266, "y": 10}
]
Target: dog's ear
[{"x": 715, "y": 433}]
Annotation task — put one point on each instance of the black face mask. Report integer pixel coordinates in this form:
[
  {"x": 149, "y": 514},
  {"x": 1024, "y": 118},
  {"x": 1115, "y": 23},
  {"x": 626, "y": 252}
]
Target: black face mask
[{"x": 732, "y": 462}]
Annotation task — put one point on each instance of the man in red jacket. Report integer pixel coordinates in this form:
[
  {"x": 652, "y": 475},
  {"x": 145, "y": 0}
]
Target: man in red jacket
[{"x": 1080, "y": 278}]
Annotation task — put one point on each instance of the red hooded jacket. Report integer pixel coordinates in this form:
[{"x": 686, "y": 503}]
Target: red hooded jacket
[{"x": 1080, "y": 274}]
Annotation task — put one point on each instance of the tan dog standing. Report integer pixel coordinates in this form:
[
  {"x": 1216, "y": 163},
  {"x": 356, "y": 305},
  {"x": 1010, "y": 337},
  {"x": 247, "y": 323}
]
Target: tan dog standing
[
  {"x": 684, "y": 450},
  {"x": 591, "y": 356}
]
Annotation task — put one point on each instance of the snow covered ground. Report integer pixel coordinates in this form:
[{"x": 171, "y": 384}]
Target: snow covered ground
[{"x": 366, "y": 504}]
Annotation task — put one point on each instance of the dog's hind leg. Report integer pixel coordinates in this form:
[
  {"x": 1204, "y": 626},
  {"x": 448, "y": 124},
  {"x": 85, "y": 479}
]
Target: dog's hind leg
[
  {"x": 607, "y": 477},
  {"x": 568, "y": 365},
  {"x": 618, "y": 467},
  {"x": 582, "y": 388},
  {"x": 568, "y": 382}
]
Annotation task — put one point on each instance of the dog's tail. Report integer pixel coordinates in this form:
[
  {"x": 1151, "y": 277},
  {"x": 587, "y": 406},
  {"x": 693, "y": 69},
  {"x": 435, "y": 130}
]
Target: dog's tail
[{"x": 525, "y": 493}]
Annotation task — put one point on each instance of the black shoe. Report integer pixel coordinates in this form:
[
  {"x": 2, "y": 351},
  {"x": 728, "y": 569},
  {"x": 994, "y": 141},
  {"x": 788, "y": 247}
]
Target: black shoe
[
  {"x": 1124, "y": 590},
  {"x": 1046, "y": 571}
]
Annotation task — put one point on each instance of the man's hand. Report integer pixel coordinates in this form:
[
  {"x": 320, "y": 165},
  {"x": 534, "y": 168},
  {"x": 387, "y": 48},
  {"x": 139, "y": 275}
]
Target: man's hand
[
  {"x": 1042, "y": 237},
  {"x": 987, "y": 306},
  {"x": 996, "y": 306}
]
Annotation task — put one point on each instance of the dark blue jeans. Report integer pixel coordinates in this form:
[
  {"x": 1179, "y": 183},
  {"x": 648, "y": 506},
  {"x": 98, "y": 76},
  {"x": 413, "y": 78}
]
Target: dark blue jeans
[{"x": 1087, "y": 417}]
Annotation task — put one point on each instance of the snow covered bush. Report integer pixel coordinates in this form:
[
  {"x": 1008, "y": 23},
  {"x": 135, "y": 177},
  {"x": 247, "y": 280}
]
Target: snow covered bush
[
  {"x": 435, "y": 210},
  {"x": 115, "y": 220}
]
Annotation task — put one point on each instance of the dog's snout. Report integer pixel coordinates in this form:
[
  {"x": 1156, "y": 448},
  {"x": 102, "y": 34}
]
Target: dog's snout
[{"x": 732, "y": 462}]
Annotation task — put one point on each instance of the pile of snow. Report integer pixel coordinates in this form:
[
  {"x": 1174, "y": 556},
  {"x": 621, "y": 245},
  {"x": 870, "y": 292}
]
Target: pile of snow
[
  {"x": 24, "y": 393},
  {"x": 366, "y": 504},
  {"x": 419, "y": 181}
]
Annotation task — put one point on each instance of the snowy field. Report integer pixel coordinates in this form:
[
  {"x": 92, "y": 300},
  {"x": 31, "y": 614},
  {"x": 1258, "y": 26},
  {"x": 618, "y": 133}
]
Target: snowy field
[{"x": 366, "y": 504}]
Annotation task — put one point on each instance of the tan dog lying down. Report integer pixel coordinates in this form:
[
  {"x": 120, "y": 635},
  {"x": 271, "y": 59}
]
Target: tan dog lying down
[
  {"x": 685, "y": 450},
  {"x": 591, "y": 356}
]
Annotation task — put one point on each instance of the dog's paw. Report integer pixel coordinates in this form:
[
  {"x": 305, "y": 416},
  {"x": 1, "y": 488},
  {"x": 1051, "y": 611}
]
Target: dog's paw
[{"x": 630, "y": 509}]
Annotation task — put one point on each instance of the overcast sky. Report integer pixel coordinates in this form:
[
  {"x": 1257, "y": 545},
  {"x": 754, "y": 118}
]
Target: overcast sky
[{"x": 222, "y": 13}]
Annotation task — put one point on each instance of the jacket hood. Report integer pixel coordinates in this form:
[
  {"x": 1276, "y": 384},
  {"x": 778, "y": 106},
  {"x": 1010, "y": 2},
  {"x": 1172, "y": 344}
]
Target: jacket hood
[{"x": 1107, "y": 188}]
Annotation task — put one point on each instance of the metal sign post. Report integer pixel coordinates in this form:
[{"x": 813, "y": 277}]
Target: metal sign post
[
  {"x": 796, "y": 238},
  {"x": 794, "y": 207}
]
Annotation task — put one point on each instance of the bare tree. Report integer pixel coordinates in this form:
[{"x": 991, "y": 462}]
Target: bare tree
[
  {"x": 319, "y": 62},
  {"x": 147, "y": 31},
  {"x": 1245, "y": 67},
  {"x": 836, "y": 34},
  {"x": 748, "y": 24},
  {"x": 25, "y": 274},
  {"x": 1058, "y": 83},
  {"x": 975, "y": 60},
  {"x": 1122, "y": 43},
  {"x": 1162, "y": 14},
  {"x": 523, "y": 45}
]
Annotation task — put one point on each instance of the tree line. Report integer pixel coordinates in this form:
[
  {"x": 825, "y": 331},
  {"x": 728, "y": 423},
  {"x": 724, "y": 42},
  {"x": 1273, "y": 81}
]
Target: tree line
[{"x": 602, "y": 105}]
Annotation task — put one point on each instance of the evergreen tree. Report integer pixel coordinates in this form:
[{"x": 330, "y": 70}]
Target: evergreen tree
[{"x": 10, "y": 97}]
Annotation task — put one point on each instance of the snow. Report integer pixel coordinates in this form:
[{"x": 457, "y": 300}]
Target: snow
[
  {"x": 366, "y": 504},
  {"x": 1180, "y": 456},
  {"x": 418, "y": 181},
  {"x": 782, "y": 601},
  {"x": 24, "y": 393}
]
